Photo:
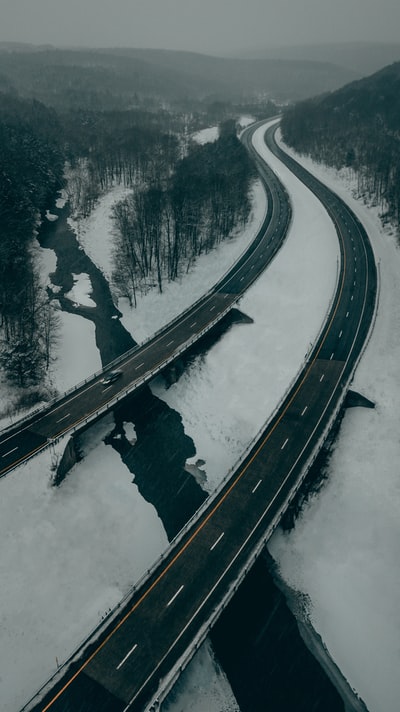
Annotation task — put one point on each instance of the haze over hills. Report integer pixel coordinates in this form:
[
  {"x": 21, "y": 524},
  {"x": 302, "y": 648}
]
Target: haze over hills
[
  {"x": 361, "y": 57},
  {"x": 357, "y": 126},
  {"x": 281, "y": 78},
  {"x": 166, "y": 74},
  {"x": 372, "y": 101}
]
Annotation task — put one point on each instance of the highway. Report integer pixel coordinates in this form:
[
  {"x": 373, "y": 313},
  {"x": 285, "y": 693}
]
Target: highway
[
  {"x": 171, "y": 611},
  {"x": 92, "y": 399}
]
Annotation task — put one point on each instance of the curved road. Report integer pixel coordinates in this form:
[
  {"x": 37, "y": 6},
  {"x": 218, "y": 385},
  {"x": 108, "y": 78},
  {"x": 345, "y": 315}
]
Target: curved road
[
  {"x": 86, "y": 403},
  {"x": 123, "y": 668}
]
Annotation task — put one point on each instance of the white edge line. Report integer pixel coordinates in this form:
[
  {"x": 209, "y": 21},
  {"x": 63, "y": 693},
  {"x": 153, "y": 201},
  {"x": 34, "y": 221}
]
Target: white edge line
[{"x": 259, "y": 521}]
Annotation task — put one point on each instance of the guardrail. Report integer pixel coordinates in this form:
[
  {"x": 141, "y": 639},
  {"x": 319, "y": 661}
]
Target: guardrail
[
  {"x": 45, "y": 408},
  {"x": 141, "y": 582},
  {"x": 167, "y": 683},
  {"x": 130, "y": 352}
]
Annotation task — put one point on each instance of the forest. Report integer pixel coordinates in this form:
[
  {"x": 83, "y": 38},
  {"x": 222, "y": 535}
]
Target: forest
[
  {"x": 357, "y": 127},
  {"x": 120, "y": 78},
  {"x": 88, "y": 120},
  {"x": 165, "y": 225},
  {"x": 185, "y": 198},
  {"x": 31, "y": 172}
]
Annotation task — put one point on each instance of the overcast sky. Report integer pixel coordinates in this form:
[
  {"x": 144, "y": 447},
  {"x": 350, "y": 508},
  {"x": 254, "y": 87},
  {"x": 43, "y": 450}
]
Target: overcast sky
[{"x": 213, "y": 26}]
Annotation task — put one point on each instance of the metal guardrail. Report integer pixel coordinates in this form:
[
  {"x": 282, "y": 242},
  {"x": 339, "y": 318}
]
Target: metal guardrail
[
  {"x": 141, "y": 582},
  {"x": 167, "y": 683},
  {"x": 130, "y": 352}
]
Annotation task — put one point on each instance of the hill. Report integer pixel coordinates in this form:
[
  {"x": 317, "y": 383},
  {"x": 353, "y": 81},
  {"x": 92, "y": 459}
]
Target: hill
[
  {"x": 364, "y": 58},
  {"x": 110, "y": 78},
  {"x": 357, "y": 126}
]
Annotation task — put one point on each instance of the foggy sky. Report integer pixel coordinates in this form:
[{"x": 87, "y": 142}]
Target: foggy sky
[{"x": 210, "y": 26}]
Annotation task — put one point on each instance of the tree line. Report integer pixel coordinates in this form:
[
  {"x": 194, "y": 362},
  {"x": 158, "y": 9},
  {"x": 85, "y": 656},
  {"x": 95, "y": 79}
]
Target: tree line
[
  {"x": 36, "y": 143},
  {"x": 185, "y": 199},
  {"x": 126, "y": 147},
  {"x": 163, "y": 227},
  {"x": 31, "y": 170},
  {"x": 357, "y": 127}
]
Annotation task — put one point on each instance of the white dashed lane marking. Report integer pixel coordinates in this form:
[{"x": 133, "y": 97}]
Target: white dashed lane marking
[
  {"x": 217, "y": 541},
  {"x": 175, "y": 595},
  {"x": 126, "y": 657}
]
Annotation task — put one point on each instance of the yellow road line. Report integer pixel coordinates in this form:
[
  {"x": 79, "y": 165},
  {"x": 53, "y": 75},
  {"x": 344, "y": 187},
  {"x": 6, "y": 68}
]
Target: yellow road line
[{"x": 217, "y": 505}]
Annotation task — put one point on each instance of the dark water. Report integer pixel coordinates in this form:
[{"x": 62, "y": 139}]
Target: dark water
[
  {"x": 112, "y": 338},
  {"x": 256, "y": 639},
  {"x": 158, "y": 457},
  {"x": 263, "y": 655}
]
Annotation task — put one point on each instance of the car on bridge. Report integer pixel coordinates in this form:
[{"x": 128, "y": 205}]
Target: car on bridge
[{"x": 110, "y": 377}]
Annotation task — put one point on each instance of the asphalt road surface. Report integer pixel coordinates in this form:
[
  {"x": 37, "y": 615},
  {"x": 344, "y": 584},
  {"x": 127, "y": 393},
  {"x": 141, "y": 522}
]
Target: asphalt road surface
[
  {"x": 138, "y": 366},
  {"x": 123, "y": 668}
]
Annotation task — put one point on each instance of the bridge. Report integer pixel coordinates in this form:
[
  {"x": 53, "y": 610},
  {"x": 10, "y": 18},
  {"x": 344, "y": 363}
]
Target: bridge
[
  {"x": 138, "y": 652},
  {"x": 90, "y": 400}
]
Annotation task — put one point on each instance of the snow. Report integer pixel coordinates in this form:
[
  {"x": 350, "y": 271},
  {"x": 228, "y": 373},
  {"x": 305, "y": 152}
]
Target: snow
[
  {"x": 62, "y": 199},
  {"x": 202, "y": 686},
  {"x": 77, "y": 354},
  {"x": 208, "y": 135},
  {"x": 66, "y": 558},
  {"x": 50, "y": 216},
  {"x": 246, "y": 120},
  {"x": 156, "y": 309},
  {"x": 222, "y": 391},
  {"x": 71, "y": 548},
  {"x": 95, "y": 233},
  {"x": 79, "y": 294},
  {"x": 130, "y": 433},
  {"x": 344, "y": 551}
]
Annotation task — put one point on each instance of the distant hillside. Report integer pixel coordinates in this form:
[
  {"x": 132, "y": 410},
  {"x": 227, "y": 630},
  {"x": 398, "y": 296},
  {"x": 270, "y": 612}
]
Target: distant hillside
[
  {"x": 281, "y": 79},
  {"x": 364, "y": 58},
  {"x": 109, "y": 76},
  {"x": 357, "y": 126},
  {"x": 22, "y": 47}
]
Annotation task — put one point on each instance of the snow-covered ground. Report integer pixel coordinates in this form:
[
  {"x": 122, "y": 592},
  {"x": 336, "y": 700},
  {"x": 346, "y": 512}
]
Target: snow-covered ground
[
  {"x": 77, "y": 353},
  {"x": 67, "y": 553},
  {"x": 344, "y": 552},
  {"x": 206, "y": 135},
  {"x": 287, "y": 304},
  {"x": 81, "y": 291},
  {"x": 96, "y": 233},
  {"x": 202, "y": 687}
]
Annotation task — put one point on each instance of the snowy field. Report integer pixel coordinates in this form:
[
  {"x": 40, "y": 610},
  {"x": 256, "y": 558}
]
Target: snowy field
[
  {"x": 344, "y": 551},
  {"x": 67, "y": 554}
]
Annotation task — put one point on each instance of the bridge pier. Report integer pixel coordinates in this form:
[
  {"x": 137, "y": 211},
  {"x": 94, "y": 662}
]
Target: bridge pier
[
  {"x": 354, "y": 399},
  {"x": 70, "y": 457}
]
